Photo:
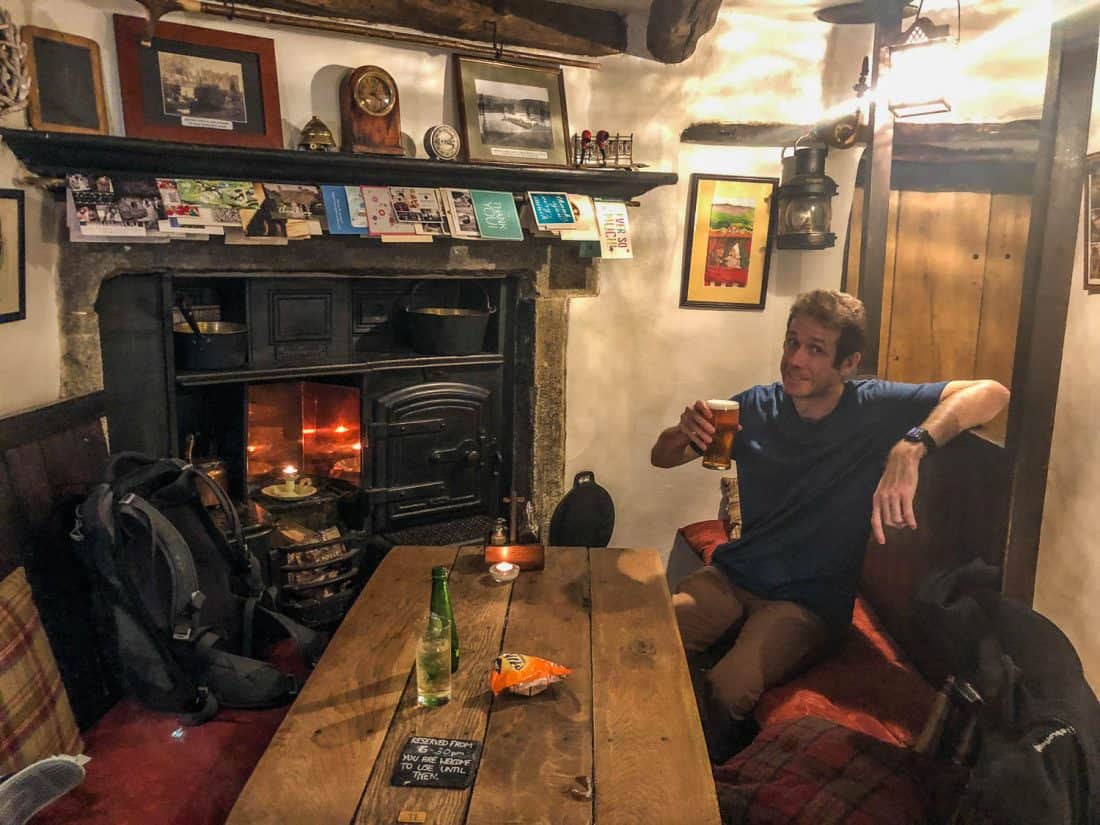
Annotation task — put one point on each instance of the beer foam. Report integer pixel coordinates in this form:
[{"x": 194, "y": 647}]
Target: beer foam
[{"x": 721, "y": 405}]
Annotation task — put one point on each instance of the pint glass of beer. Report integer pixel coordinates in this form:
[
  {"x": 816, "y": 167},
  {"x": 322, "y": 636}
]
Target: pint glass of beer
[{"x": 726, "y": 416}]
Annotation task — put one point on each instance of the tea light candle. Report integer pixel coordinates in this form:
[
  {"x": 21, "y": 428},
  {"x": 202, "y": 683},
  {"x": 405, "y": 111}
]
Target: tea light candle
[
  {"x": 290, "y": 476},
  {"x": 504, "y": 571}
]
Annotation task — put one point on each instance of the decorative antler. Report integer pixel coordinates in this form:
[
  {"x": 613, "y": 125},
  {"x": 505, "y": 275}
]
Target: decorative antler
[
  {"x": 15, "y": 80},
  {"x": 159, "y": 8}
]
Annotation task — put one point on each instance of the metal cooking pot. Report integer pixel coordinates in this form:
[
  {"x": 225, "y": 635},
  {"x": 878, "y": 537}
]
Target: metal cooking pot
[
  {"x": 439, "y": 330},
  {"x": 209, "y": 345}
]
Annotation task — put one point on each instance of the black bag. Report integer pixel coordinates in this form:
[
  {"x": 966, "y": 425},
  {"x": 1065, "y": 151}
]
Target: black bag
[{"x": 179, "y": 606}]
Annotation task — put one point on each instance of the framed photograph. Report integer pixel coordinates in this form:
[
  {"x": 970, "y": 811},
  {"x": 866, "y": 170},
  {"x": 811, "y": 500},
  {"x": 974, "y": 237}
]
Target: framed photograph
[
  {"x": 512, "y": 114},
  {"x": 727, "y": 242},
  {"x": 1092, "y": 225},
  {"x": 66, "y": 82},
  {"x": 198, "y": 85},
  {"x": 13, "y": 257}
]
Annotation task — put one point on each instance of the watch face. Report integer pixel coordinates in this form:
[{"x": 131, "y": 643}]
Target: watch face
[{"x": 375, "y": 92}]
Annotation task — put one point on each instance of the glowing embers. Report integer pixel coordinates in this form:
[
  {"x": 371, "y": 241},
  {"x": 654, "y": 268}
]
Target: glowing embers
[
  {"x": 923, "y": 64},
  {"x": 307, "y": 425}
]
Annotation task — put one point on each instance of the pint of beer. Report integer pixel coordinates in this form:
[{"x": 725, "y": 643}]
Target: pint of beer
[{"x": 726, "y": 416}]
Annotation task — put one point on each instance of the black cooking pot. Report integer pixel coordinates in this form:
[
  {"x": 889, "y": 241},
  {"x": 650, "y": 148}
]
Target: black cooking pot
[
  {"x": 211, "y": 345},
  {"x": 438, "y": 330}
]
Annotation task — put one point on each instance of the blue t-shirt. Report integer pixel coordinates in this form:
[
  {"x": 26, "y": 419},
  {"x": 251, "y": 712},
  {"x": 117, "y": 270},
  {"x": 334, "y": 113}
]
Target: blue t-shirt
[{"x": 807, "y": 487}]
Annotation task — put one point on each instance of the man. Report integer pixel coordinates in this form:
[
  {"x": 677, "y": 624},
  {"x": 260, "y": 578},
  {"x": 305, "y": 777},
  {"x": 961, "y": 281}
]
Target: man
[{"x": 822, "y": 460}]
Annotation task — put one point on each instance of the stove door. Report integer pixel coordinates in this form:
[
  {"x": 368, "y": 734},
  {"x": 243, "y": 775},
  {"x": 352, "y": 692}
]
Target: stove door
[{"x": 434, "y": 454}]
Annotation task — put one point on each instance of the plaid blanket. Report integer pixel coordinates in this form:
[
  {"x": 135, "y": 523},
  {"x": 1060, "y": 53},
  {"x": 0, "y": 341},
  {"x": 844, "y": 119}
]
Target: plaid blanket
[{"x": 816, "y": 772}]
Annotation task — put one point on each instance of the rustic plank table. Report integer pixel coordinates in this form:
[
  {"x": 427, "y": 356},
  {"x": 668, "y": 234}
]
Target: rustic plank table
[{"x": 625, "y": 717}]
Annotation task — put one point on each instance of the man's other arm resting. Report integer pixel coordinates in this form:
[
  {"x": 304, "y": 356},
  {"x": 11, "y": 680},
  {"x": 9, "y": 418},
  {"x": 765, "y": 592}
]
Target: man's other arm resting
[{"x": 962, "y": 405}]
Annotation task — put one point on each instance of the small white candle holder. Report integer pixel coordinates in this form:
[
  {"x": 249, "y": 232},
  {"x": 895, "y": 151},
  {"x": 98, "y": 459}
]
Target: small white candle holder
[
  {"x": 290, "y": 478},
  {"x": 504, "y": 571}
]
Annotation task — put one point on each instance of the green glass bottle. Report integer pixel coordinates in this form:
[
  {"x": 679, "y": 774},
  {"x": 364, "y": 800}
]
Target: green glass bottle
[{"x": 441, "y": 606}]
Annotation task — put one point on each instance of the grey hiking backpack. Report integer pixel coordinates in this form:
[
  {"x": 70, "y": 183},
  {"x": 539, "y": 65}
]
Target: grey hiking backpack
[{"x": 180, "y": 608}]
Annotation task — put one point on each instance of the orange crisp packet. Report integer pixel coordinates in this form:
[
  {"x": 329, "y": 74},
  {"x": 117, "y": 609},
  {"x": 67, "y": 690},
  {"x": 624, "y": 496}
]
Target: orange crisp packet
[{"x": 525, "y": 675}]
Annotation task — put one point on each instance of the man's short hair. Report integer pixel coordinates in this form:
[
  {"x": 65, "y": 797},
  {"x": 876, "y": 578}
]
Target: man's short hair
[{"x": 835, "y": 310}]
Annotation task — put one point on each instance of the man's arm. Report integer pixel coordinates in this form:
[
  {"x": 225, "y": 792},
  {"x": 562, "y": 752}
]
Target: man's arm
[
  {"x": 962, "y": 405},
  {"x": 673, "y": 446}
]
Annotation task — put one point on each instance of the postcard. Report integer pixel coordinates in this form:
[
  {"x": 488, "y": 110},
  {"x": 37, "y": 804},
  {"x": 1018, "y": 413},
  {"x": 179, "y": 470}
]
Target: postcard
[
  {"x": 551, "y": 210},
  {"x": 585, "y": 229},
  {"x": 497, "y": 217},
  {"x": 614, "y": 227},
  {"x": 460, "y": 212},
  {"x": 380, "y": 214}
]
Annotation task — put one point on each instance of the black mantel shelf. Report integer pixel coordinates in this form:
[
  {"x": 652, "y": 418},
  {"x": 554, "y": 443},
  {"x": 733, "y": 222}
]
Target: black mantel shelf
[{"x": 54, "y": 154}]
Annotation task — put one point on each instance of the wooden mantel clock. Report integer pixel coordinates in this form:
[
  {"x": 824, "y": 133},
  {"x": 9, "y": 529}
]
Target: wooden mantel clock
[{"x": 370, "y": 112}]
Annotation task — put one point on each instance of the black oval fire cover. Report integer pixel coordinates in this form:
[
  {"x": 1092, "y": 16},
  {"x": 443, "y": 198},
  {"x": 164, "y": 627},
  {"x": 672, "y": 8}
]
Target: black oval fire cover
[{"x": 585, "y": 516}]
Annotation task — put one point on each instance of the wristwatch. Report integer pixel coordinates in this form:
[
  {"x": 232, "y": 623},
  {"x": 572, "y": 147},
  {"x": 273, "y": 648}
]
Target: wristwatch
[{"x": 919, "y": 435}]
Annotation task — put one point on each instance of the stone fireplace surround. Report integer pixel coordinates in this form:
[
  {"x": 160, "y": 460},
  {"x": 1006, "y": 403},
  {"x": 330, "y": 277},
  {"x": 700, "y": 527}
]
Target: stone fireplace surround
[{"x": 549, "y": 273}]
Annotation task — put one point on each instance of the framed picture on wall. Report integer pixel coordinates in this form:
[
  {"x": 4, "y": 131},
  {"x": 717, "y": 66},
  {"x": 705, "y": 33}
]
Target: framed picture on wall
[
  {"x": 66, "y": 82},
  {"x": 198, "y": 85},
  {"x": 512, "y": 114},
  {"x": 1092, "y": 225},
  {"x": 13, "y": 257},
  {"x": 727, "y": 242}
]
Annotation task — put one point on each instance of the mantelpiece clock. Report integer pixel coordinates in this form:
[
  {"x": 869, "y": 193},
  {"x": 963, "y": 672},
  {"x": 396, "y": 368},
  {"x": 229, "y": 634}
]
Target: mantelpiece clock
[{"x": 370, "y": 112}]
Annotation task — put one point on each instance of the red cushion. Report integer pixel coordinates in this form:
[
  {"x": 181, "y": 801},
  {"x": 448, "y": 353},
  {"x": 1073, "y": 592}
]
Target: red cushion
[
  {"x": 867, "y": 685},
  {"x": 704, "y": 537},
  {"x": 141, "y": 774}
]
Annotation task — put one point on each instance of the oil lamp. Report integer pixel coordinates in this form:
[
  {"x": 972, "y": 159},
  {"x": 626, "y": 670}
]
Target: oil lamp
[
  {"x": 804, "y": 197},
  {"x": 922, "y": 63}
]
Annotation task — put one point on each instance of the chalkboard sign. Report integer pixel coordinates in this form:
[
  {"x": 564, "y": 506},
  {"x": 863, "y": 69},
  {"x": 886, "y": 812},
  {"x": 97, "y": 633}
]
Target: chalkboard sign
[
  {"x": 67, "y": 82},
  {"x": 437, "y": 763}
]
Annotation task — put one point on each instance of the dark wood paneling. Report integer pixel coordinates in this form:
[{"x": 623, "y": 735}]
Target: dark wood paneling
[
  {"x": 49, "y": 459},
  {"x": 961, "y": 510},
  {"x": 1048, "y": 273}
]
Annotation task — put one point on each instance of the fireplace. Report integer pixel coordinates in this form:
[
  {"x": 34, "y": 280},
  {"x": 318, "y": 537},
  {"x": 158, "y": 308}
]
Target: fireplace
[{"x": 339, "y": 435}]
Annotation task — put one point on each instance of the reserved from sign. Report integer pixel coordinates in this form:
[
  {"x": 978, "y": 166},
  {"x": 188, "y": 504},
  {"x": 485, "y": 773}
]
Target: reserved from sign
[{"x": 437, "y": 763}]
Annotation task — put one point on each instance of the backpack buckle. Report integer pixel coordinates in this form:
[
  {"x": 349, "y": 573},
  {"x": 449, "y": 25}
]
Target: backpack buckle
[{"x": 182, "y": 632}]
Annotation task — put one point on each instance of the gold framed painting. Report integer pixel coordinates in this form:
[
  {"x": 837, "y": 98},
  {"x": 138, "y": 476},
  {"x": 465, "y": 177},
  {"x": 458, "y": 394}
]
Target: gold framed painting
[
  {"x": 727, "y": 242},
  {"x": 1092, "y": 225},
  {"x": 13, "y": 257}
]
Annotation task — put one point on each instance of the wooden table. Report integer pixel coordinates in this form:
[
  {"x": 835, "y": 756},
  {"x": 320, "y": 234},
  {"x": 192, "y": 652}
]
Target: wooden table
[{"x": 625, "y": 717}]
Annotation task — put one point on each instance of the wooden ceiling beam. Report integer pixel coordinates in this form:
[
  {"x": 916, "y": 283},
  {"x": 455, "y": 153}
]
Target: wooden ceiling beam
[
  {"x": 675, "y": 27},
  {"x": 529, "y": 23}
]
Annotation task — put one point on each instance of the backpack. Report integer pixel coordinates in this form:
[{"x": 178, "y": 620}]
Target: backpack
[{"x": 178, "y": 605}]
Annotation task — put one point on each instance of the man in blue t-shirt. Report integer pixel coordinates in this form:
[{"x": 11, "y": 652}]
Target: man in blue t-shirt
[{"x": 822, "y": 461}]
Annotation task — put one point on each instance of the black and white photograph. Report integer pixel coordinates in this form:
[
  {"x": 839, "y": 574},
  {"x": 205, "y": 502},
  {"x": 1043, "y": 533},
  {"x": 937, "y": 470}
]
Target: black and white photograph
[
  {"x": 202, "y": 87},
  {"x": 510, "y": 114}
]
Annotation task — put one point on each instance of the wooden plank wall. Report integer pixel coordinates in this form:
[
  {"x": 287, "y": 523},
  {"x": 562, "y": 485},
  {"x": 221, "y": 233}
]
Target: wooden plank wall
[
  {"x": 49, "y": 458},
  {"x": 951, "y": 292}
]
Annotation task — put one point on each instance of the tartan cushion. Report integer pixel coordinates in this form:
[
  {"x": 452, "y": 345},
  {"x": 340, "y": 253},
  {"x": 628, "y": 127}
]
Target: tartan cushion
[
  {"x": 35, "y": 718},
  {"x": 816, "y": 772}
]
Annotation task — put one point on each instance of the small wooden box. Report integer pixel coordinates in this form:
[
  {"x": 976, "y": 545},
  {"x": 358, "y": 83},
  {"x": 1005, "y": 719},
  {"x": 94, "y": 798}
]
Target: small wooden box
[{"x": 524, "y": 556}]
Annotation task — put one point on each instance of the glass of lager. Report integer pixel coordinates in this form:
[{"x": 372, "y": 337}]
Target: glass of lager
[{"x": 727, "y": 414}]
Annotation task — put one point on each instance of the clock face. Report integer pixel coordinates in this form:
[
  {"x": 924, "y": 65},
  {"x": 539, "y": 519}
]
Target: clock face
[
  {"x": 443, "y": 142},
  {"x": 375, "y": 92}
]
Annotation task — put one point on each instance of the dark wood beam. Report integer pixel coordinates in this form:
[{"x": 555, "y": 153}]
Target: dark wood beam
[
  {"x": 675, "y": 27},
  {"x": 1048, "y": 278},
  {"x": 876, "y": 196},
  {"x": 529, "y": 23},
  {"x": 744, "y": 134}
]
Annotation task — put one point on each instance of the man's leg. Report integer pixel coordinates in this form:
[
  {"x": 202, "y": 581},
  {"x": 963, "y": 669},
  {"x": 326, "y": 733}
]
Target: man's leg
[
  {"x": 706, "y": 607},
  {"x": 776, "y": 641},
  {"x": 706, "y": 610}
]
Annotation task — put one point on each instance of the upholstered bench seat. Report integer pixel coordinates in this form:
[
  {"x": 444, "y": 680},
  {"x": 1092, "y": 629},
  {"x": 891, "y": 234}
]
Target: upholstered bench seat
[{"x": 867, "y": 685}]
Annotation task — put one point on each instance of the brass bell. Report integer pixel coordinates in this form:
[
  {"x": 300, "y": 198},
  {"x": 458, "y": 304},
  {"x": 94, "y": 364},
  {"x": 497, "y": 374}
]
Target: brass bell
[{"x": 316, "y": 136}]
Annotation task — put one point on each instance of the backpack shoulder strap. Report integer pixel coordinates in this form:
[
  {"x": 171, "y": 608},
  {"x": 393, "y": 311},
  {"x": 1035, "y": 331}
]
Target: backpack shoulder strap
[{"x": 187, "y": 599}]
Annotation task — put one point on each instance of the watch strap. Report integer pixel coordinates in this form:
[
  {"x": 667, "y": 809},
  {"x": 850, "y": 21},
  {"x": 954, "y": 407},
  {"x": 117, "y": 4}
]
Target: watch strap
[{"x": 919, "y": 435}]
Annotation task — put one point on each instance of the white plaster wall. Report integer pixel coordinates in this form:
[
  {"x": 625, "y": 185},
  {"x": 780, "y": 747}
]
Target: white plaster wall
[
  {"x": 1067, "y": 581},
  {"x": 30, "y": 350},
  {"x": 635, "y": 359}
]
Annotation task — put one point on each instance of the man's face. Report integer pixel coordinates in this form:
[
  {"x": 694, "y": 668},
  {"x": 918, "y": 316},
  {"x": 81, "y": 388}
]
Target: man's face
[{"x": 809, "y": 354}]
